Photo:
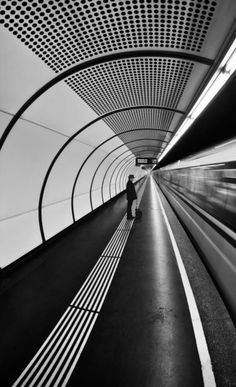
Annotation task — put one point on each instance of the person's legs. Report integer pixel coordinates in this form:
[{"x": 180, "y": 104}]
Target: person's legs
[{"x": 129, "y": 209}]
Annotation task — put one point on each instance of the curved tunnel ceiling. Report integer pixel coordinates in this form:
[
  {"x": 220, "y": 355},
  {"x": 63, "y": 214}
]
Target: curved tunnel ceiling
[
  {"x": 187, "y": 37},
  {"x": 75, "y": 74}
]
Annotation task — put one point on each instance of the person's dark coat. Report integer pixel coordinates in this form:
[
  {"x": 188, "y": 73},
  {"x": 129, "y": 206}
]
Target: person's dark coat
[{"x": 130, "y": 191}]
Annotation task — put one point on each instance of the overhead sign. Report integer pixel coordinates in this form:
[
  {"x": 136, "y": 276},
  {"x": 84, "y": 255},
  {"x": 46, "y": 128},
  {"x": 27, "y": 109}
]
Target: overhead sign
[{"x": 145, "y": 160}]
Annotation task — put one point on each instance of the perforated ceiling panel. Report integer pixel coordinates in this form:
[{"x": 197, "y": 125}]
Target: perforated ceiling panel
[
  {"x": 64, "y": 33},
  {"x": 131, "y": 82},
  {"x": 142, "y": 118},
  {"x": 147, "y": 118},
  {"x": 134, "y": 82},
  {"x": 142, "y": 134}
]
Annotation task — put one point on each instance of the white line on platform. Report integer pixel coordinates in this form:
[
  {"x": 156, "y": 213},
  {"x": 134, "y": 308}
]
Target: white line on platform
[{"x": 207, "y": 372}]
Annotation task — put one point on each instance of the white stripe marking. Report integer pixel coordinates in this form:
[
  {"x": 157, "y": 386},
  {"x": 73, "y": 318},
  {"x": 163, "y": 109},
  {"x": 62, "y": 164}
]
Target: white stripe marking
[
  {"x": 106, "y": 286},
  {"x": 93, "y": 286},
  {"x": 207, "y": 372},
  {"x": 38, "y": 363},
  {"x": 66, "y": 316},
  {"x": 58, "y": 350},
  {"x": 74, "y": 343},
  {"x": 68, "y": 375},
  {"x": 88, "y": 280},
  {"x": 99, "y": 286}
]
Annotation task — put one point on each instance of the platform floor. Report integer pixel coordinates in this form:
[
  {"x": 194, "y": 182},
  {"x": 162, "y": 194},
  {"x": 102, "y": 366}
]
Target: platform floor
[{"x": 132, "y": 318}]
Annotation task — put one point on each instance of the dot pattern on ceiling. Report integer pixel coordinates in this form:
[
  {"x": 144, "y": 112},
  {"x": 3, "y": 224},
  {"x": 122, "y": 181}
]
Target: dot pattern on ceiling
[
  {"x": 63, "y": 33},
  {"x": 139, "y": 119},
  {"x": 145, "y": 154},
  {"x": 132, "y": 82},
  {"x": 146, "y": 133},
  {"x": 143, "y": 134},
  {"x": 146, "y": 118},
  {"x": 138, "y": 147}
]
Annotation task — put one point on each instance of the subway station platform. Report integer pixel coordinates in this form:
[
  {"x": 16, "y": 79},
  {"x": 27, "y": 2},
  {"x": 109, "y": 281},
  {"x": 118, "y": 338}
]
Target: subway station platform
[{"x": 111, "y": 305}]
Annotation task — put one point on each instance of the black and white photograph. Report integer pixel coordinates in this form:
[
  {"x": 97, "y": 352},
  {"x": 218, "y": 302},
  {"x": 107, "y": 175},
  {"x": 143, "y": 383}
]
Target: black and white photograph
[{"x": 118, "y": 193}]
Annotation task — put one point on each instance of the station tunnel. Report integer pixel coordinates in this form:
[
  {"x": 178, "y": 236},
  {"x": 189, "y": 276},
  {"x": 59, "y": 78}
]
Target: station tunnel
[{"x": 92, "y": 93}]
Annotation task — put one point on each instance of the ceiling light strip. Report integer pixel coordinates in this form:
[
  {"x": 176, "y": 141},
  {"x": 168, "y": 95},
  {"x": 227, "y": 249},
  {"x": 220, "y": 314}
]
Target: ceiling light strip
[{"x": 218, "y": 80}]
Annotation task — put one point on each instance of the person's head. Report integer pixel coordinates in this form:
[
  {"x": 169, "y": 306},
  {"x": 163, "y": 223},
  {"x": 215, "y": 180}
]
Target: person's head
[{"x": 131, "y": 177}]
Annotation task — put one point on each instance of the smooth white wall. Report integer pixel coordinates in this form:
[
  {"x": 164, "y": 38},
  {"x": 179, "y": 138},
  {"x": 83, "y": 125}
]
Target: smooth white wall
[
  {"x": 32, "y": 145},
  {"x": 24, "y": 161}
]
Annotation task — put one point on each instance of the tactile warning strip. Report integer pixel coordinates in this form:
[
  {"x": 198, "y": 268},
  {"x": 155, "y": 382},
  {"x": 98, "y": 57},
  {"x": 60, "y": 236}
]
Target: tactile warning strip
[{"x": 55, "y": 361}]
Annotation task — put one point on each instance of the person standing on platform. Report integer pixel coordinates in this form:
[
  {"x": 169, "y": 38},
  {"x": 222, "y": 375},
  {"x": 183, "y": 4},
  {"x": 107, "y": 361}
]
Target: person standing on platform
[{"x": 131, "y": 196}]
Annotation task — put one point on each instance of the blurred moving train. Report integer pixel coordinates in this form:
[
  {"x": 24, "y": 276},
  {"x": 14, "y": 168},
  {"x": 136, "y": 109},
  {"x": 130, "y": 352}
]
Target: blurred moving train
[{"x": 202, "y": 191}]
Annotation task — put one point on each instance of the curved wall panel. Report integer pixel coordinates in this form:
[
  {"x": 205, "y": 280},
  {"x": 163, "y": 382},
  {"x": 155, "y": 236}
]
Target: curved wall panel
[
  {"x": 125, "y": 171},
  {"x": 19, "y": 235},
  {"x": 32, "y": 145},
  {"x": 56, "y": 217},
  {"x": 96, "y": 198},
  {"x": 61, "y": 178},
  {"x": 81, "y": 205},
  {"x": 4, "y": 121},
  {"x": 61, "y": 110},
  {"x": 98, "y": 132},
  {"x": 108, "y": 175},
  {"x": 24, "y": 160}
]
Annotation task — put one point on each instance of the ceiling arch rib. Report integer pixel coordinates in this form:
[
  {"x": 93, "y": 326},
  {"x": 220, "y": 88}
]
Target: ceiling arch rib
[
  {"x": 62, "y": 149},
  {"x": 40, "y": 218},
  {"x": 119, "y": 172},
  {"x": 122, "y": 175},
  {"x": 102, "y": 161},
  {"x": 163, "y": 123},
  {"x": 54, "y": 81},
  {"x": 127, "y": 52},
  {"x": 116, "y": 56},
  {"x": 111, "y": 164},
  {"x": 167, "y": 39},
  {"x": 81, "y": 167},
  {"x": 125, "y": 173},
  {"x": 79, "y": 172},
  {"x": 109, "y": 167},
  {"x": 132, "y": 149},
  {"x": 137, "y": 81}
]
